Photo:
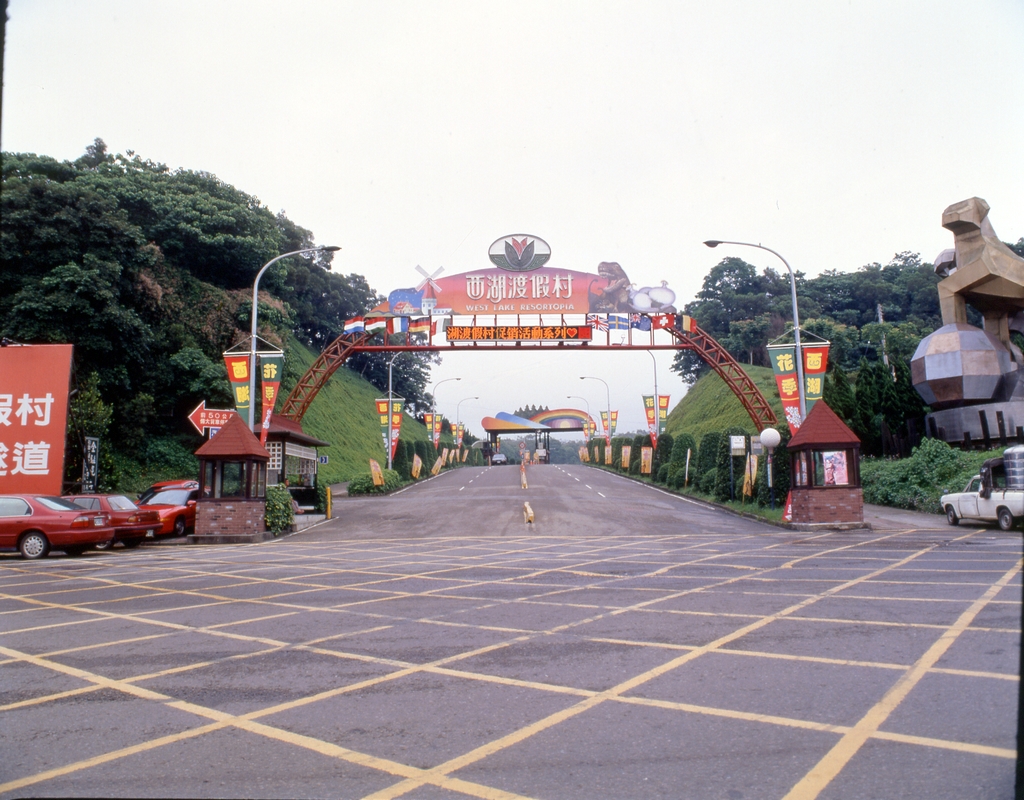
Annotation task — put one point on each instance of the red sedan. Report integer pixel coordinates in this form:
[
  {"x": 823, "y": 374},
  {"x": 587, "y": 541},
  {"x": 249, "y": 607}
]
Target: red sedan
[
  {"x": 175, "y": 502},
  {"x": 34, "y": 524},
  {"x": 131, "y": 524}
]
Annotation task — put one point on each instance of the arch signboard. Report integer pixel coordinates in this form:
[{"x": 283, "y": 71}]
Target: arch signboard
[{"x": 523, "y": 299}]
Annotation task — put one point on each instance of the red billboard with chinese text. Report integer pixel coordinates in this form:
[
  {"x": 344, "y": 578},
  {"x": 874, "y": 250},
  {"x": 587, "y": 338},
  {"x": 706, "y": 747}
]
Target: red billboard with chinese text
[{"x": 33, "y": 417}]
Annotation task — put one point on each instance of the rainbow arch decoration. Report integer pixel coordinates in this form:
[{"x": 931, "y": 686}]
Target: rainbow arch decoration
[{"x": 559, "y": 419}]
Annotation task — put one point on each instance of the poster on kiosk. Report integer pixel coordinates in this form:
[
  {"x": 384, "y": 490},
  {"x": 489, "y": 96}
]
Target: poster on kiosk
[{"x": 34, "y": 382}]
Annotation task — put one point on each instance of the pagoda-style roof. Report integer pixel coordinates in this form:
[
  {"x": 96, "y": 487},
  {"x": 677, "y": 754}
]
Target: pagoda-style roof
[
  {"x": 290, "y": 430},
  {"x": 822, "y": 428},
  {"x": 234, "y": 441}
]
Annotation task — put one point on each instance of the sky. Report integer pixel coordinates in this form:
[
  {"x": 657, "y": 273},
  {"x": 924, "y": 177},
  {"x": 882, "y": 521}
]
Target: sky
[{"x": 419, "y": 133}]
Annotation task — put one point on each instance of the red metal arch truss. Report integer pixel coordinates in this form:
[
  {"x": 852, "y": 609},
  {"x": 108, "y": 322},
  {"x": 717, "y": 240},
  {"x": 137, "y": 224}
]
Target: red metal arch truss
[{"x": 698, "y": 340}]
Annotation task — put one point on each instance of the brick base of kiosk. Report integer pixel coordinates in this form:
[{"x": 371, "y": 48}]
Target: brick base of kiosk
[{"x": 227, "y": 522}]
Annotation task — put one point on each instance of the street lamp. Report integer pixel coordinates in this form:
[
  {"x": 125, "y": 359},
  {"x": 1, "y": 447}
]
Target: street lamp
[
  {"x": 433, "y": 405},
  {"x": 578, "y": 397},
  {"x": 458, "y": 419},
  {"x": 657, "y": 411},
  {"x": 770, "y": 438},
  {"x": 252, "y": 347},
  {"x": 796, "y": 318},
  {"x": 608, "y": 395},
  {"x": 391, "y": 362}
]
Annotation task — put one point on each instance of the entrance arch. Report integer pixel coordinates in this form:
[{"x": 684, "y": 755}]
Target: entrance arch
[{"x": 692, "y": 338}]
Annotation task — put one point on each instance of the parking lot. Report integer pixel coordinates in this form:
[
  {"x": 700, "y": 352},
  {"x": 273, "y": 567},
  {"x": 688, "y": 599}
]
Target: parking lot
[{"x": 626, "y": 644}]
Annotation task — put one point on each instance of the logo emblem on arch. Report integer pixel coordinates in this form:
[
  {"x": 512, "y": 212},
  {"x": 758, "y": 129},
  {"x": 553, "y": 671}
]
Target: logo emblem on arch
[{"x": 519, "y": 252}]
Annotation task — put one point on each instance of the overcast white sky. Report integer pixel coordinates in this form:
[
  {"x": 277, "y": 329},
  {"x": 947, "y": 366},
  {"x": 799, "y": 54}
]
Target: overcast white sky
[{"x": 418, "y": 133}]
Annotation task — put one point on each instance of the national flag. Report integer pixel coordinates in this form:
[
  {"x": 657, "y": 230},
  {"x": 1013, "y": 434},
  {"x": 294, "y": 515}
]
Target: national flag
[
  {"x": 420, "y": 325},
  {"x": 618, "y": 323},
  {"x": 375, "y": 324},
  {"x": 686, "y": 323},
  {"x": 597, "y": 321},
  {"x": 354, "y": 325},
  {"x": 398, "y": 324},
  {"x": 640, "y": 322},
  {"x": 663, "y": 321}
]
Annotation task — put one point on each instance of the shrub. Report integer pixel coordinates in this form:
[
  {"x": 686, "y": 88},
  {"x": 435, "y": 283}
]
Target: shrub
[
  {"x": 664, "y": 473},
  {"x": 279, "y": 516},
  {"x": 707, "y": 454},
  {"x": 917, "y": 482},
  {"x": 662, "y": 456},
  {"x": 638, "y": 443},
  {"x": 322, "y": 489},
  {"x": 729, "y": 473},
  {"x": 402, "y": 462},
  {"x": 363, "y": 484},
  {"x": 780, "y": 472},
  {"x": 706, "y": 483}
]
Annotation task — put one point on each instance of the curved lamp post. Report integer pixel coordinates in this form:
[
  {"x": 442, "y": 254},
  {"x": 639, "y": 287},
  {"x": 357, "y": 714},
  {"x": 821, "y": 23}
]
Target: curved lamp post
[
  {"x": 608, "y": 395},
  {"x": 458, "y": 419},
  {"x": 252, "y": 347},
  {"x": 796, "y": 317},
  {"x": 433, "y": 396},
  {"x": 586, "y": 437},
  {"x": 391, "y": 362}
]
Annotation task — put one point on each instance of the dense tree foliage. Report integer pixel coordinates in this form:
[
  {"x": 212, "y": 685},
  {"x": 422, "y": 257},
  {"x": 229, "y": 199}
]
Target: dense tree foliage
[
  {"x": 148, "y": 272},
  {"x": 874, "y": 311}
]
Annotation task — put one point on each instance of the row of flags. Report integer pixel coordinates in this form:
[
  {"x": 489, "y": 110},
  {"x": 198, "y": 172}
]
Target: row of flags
[
  {"x": 390, "y": 324},
  {"x": 601, "y": 322}
]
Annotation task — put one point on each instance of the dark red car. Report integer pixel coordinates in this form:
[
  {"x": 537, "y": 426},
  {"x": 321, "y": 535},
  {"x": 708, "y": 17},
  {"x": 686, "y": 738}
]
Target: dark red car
[
  {"x": 34, "y": 524},
  {"x": 131, "y": 524},
  {"x": 175, "y": 502}
]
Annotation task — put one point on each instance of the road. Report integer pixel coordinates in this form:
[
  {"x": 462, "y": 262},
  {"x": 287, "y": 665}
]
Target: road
[{"x": 433, "y": 644}]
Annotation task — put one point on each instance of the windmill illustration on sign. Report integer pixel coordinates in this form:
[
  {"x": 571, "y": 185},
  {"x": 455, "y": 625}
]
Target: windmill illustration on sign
[{"x": 429, "y": 288}]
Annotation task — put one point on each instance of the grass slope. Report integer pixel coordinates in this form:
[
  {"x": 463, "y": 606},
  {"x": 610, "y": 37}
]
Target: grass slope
[
  {"x": 343, "y": 414},
  {"x": 710, "y": 405}
]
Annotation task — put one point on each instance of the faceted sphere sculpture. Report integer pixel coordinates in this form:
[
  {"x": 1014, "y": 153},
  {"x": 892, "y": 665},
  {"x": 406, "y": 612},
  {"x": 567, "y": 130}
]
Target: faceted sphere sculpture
[{"x": 959, "y": 364}]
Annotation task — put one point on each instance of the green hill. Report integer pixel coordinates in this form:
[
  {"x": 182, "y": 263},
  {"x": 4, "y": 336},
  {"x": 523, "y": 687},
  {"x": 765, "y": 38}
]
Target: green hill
[
  {"x": 710, "y": 405},
  {"x": 343, "y": 414}
]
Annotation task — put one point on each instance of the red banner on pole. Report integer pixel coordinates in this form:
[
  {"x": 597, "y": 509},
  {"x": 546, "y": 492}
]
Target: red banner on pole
[{"x": 783, "y": 359}]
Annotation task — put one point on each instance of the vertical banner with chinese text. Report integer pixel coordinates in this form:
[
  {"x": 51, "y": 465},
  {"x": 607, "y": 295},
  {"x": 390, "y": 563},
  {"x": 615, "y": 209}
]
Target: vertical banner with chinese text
[
  {"x": 652, "y": 417},
  {"x": 397, "y": 405},
  {"x": 462, "y": 430},
  {"x": 607, "y": 430},
  {"x": 627, "y": 452},
  {"x": 815, "y": 364},
  {"x": 238, "y": 375},
  {"x": 34, "y": 381},
  {"x": 662, "y": 412},
  {"x": 646, "y": 459},
  {"x": 783, "y": 358},
  {"x": 271, "y": 369},
  {"x": 615, "y": 421},
  {"x": 437, "y": 429}
]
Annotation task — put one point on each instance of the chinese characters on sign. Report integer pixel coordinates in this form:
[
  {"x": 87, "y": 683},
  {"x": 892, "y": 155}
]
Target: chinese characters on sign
[
  {"x": 238, "y": 375},
  {"x": 390, "y": 421},
  {"x": 33, "y": 417},
  {"x": 91, "y": 465},
  {"x": 783, "y": 358},
  {"x": 271, "y": 368},
  {"x": 517, "y": 333}
]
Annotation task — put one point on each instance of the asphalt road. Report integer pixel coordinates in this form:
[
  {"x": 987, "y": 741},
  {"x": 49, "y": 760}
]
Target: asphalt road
[{"x": 433, "y": 644}]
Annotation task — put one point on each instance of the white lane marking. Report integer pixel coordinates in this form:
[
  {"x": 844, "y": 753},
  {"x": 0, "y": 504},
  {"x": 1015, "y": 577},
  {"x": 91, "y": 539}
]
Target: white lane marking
[
  {"x": 577, "y": 480},
  {"x": 461, "y": 488},
  {"x": 601, "y": 494}
]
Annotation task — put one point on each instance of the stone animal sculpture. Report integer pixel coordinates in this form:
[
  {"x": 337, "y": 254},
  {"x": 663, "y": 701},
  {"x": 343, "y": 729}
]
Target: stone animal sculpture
[{"x": 984, "y": 272}]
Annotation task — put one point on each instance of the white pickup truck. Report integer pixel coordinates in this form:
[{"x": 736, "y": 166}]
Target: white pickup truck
[{"x": 986, "y": 498}]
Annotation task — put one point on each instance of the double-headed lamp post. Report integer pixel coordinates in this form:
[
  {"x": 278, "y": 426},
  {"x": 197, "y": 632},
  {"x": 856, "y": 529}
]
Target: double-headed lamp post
[
  {"x": 579, "y": 397},
  {"x": 252, "y": 344},
  {"x": 608, "y": 396},
  {"x": 796, "y": 317}
]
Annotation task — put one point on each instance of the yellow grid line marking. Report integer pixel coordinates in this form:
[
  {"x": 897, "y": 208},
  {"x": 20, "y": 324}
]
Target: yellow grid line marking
[
  {"x": 615, "y": 692},
  {"x": 822, "y": 773}
]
